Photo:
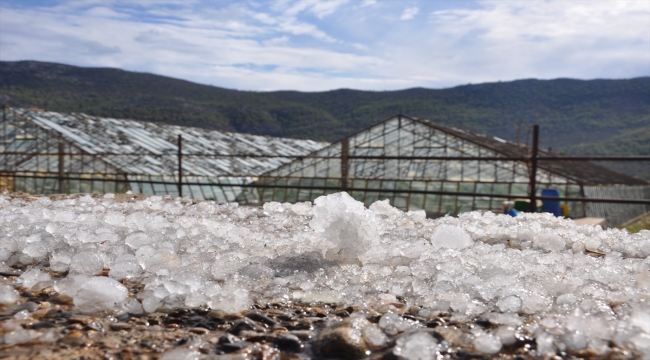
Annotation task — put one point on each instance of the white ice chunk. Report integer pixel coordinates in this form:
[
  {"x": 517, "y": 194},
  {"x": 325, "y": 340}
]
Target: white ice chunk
[
  {"x": 507, "y": 335},
  {"x": 231, "y": 299},
  {"x": 511, "y": 304},
  {"x": 643, "y": 279},
  {"x": 65, "y": 216},
  {"x": 346, "y": 223},
  {"x": 34, "y": 276},
  {"x": 151, "y": 303},
  {"x": 417, "y": 216},
  {"x": 125, "y": 267},
  {"x": 71, "y": 284},
  {"x": 383, "y": 207},
  {"x": 114, "y": 218},
  {"x": 393, "y": 323},
  {"x": 181, "y": 354},
  {"x": 137, "y": 239},
  {"x": 487, "y": 344},
  {"x": 575, "y": 340},
  {"x": 60, "y": 259},
  {"x": 20, "y": 336},
  {"x": 545, "y": 345},
  {"x": 227, "y": 264},
  {"x": 193, "y": 280},
  {"x": 534, "y": 303},
  {"x": 8, "y": 295},
  {"x": 98, "y": 294},
  {"x": 640, "y": 318},
  {"x": 451, "y": 237},
  {"x": 373, "y": 335},
  {"x": 301, "y": 208},
  {"x": 130, "y": 305},
  {"x": 86, "y": 262},
  {"x": 7, "y": 247},
  {"x": 549, "y": 242},
  {"x": 417, "y": 346}
]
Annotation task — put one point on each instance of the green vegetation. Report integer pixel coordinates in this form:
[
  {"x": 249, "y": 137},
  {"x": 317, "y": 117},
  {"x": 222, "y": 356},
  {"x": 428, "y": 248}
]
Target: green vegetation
[
  {"x": 628, "y": 142},
  {"x": 641, "y": 223},
  {"x": 599, "y": 117}
]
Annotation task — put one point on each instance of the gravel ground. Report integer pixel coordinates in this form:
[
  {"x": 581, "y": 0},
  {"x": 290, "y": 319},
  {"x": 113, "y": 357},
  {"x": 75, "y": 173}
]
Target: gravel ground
[{"x": 267, "y": 331}]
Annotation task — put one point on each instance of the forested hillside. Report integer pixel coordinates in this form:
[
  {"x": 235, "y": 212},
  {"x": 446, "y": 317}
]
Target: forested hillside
[{"x": 583, "y": 117}]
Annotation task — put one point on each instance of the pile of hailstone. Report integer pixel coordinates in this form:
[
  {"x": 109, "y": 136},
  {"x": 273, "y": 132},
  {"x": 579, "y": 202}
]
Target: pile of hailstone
[{"x": 534, "y": 267}]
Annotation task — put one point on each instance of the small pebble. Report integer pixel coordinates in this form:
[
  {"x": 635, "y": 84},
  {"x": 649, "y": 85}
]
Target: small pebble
[
  {"x": 245, "y": 324},
  {"x": 288, "y": 343},
  {"x": 72, "y": 341},
  {"x": 80, "y": 319},
  {"x": 261, "y": 318},
  {"x": 232, "y": 347},
  {"x": 198, "y": 330},
  {"x": 341, "y": 342},
  {"x": 120, "y": 326},
  {"x": 28, "y": 305}
]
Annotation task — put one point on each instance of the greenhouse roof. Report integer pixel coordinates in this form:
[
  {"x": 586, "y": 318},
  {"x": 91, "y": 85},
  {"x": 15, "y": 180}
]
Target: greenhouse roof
[
  {"x": 582, "y": 172},
  {"x": 137, "y": 147},
  {"x": 375, "y": 154}
]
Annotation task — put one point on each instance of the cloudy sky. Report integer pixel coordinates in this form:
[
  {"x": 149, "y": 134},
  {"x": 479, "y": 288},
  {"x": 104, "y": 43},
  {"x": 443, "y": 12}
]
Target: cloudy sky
[{"x": 316, "y": 45}]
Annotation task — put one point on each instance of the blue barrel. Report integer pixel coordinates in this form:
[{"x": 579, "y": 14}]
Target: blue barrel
[
  {"x": 513, "y": 212},
  {"x": 551, "y": 206}
]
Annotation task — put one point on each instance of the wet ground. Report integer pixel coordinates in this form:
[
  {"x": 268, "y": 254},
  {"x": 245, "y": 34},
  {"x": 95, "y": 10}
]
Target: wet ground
[{"x": 51, "y": 330}]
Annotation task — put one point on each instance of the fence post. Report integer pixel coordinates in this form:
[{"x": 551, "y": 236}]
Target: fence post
[
  {"x": 180, "y": 165},
  {"x": 533, "y": 171},
  {"x": 345, "y": 144},
  {"x": 61, "y": 167}
]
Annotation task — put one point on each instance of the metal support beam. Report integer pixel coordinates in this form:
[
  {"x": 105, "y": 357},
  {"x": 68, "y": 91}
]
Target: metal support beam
[
  {"x": 180, "y": 165},
  {"x": 345, "y": 162},
  {"x": 61, "y": 167},
  {"x": 533, "y": 170},
  {"x": 363, "y": 189}
]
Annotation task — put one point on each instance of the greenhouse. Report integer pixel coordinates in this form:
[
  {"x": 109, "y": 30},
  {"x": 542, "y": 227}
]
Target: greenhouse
[
  {"x": 414, "y": 162},
  {"x": 47, "y": 152}
]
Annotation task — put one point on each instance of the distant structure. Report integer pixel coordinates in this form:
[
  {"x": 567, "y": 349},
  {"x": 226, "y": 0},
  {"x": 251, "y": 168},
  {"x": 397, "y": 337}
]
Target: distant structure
[
  {"x": 47, "y": 152},
  {"x": 404, "y": 153},
  {"x": 415, "y": 163}
]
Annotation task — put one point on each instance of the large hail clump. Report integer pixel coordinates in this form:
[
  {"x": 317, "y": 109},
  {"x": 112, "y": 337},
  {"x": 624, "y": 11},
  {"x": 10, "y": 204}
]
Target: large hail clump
[{"x": 533, "y": 272}]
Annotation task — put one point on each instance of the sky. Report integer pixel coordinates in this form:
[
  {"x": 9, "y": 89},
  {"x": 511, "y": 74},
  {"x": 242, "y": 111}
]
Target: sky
[{"x": 320, "y": 45}]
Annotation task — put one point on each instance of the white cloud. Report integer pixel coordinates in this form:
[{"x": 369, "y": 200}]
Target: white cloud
[
  {"x": 324, "y": 8},
  {"x": 409, "y": 13},
  {"x": 548, "y": 39},
  {"x": 313, "y": 45},
  {"x": 265, "y": 18},
  {"x": 282, "y": 40},
  {"x": 179, "y": 49},
  {"x": 361, "y": 47},
  {"x": 301, "y": 28}
]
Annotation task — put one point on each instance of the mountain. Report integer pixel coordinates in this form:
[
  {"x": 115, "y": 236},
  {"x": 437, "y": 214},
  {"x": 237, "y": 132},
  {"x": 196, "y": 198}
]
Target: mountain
[{"x": 579, "y": 117}]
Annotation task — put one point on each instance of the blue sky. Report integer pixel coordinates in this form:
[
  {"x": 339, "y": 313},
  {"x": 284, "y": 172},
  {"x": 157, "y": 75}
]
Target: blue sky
[{"x": 318, "y": 45}]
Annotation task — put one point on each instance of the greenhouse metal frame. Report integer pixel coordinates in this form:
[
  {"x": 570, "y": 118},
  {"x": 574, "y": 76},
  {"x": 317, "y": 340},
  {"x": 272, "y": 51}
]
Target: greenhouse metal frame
[
  {"x": 420, "y": 165},
  {"x": 416, "y": 164},
  {"x": 48, "y": 152}
]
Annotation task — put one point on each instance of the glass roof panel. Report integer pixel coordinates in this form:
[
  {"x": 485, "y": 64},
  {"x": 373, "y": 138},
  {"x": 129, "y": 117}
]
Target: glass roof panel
[{"x": 156, "y": 144}]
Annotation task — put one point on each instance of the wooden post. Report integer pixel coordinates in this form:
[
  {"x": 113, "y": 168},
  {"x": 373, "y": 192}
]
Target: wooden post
[
  {"x": 61, "y": 167},
  {"x": 180, "y": 165},
  {"x": 345, "y": 144},
  {"x": 533, "y": 170}
]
